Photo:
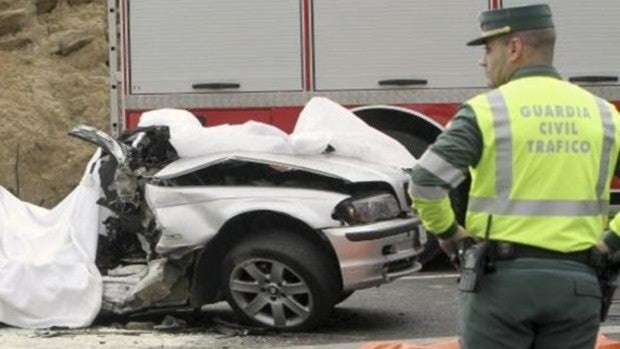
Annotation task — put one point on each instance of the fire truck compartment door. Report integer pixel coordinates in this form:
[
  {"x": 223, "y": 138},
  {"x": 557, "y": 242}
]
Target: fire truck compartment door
[
  {"x": 587, "y": 47},
  {"x": 395, "y": 44},
  {"x": 202, "y": 46}
]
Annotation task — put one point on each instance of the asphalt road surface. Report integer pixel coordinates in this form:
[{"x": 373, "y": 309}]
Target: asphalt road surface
[{"x": 422, "y": 306}]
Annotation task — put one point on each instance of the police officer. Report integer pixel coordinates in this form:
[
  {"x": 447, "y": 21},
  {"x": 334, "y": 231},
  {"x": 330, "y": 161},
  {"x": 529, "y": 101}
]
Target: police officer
[{"x": 540, "y": 152}]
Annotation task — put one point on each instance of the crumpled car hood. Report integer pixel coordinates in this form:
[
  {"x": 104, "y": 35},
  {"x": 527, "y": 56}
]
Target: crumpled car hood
[{"x": 346, "y": 168}]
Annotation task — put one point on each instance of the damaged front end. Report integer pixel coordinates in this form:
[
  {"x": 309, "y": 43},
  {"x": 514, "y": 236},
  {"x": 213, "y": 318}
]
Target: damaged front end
[
  {"x": 187, "y": 231},
  {"x": 135, "y": 276}
]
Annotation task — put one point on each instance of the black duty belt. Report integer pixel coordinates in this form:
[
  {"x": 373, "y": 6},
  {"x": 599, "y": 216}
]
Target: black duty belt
[{"x": 501, "y": 251}]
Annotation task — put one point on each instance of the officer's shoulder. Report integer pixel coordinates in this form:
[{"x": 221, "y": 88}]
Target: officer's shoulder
[
  {"x": 464, "y": 114},
  {"x": 481, "y": 97}
]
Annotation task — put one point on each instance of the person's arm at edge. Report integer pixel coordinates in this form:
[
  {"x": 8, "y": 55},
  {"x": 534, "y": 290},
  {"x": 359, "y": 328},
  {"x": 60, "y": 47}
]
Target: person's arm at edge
[{"x": 610, "y": 242}]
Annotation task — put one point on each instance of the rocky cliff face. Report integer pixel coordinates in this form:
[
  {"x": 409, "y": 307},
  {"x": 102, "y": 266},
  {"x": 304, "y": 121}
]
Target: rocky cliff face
[{"x": 53, "y": 75}]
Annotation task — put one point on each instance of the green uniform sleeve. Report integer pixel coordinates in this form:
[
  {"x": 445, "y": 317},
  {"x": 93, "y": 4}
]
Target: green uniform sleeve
[
  {"x": 461, "y": 143},
  {"x": 612, "y": 240},
  {"x": 443, "y": 167},
  {"x": 612, "y": 235},
  {"x": 437, "y": 216}
]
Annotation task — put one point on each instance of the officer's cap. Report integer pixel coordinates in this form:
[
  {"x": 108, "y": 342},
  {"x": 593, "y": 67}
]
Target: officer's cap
[{"x": 512, "y": 19}]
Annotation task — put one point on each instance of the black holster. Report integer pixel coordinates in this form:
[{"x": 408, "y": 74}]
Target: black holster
[{"x": 473, "y": 264}]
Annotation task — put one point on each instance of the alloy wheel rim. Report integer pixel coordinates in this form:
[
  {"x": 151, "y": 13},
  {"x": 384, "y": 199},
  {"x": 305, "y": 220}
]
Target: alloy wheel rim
[{"x": 271, "y": 293}]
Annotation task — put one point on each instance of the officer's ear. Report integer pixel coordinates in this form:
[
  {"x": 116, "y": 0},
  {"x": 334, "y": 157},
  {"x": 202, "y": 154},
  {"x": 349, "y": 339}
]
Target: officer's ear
[{"x": 515, "y": 49}]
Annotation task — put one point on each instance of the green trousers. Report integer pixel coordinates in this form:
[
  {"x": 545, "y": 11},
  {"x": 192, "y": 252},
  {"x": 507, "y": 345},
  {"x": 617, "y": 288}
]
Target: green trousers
[{"x": 532, "y": 303}]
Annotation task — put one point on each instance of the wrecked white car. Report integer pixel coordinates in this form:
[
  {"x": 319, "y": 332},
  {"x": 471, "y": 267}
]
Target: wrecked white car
[{"x": 283, "y": 238}]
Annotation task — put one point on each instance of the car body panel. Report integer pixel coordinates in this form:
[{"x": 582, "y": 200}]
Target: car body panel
[
  {"x": 191, "y": 216},
  {"x": 366, "y": 262},
  {"x": 331, "y": 165}
]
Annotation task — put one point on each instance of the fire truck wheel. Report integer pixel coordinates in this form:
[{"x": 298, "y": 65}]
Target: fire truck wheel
[
  {"x": 416, "y": 146},
  {"x": 280, "y": 280}
]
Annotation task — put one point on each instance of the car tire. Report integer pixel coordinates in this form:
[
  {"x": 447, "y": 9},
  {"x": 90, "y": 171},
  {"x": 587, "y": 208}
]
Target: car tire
[
  {"x": 280, "y": 280},
  {"x": 344, "y": 296}
]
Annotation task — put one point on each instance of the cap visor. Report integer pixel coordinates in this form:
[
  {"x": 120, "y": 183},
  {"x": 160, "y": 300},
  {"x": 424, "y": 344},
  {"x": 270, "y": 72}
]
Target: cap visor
[{"x": 477, "y": 42}]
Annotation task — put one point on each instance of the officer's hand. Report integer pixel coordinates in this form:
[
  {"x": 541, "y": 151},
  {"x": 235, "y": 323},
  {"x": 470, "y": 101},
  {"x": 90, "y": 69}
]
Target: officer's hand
[
  {"x": 461, "y": 233},
  {"x": 451, "y": 246},
  {"x": 602, "y": 247}
]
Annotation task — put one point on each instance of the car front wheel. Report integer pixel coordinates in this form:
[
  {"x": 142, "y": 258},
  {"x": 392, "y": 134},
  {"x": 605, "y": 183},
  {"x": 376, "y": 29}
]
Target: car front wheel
[{"x": 280, "y": 280}]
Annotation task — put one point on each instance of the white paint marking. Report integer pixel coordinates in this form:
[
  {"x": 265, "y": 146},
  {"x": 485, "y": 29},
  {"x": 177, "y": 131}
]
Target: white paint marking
[
  {"x": 436, "y": 276},
  {"x": 610, "y": 329}
]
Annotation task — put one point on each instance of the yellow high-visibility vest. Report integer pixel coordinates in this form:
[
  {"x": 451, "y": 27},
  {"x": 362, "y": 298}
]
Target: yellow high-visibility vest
[{"x": 550, "y": 148}]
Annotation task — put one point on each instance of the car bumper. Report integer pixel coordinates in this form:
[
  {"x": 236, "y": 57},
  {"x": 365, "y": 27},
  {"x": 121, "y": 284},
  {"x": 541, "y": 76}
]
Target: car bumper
[{"x": 374, "y": 254}]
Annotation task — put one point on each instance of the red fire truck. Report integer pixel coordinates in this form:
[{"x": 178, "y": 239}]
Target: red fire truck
[{"x": 400, "y": 65}]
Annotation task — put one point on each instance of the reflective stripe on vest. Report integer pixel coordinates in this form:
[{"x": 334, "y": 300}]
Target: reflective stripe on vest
[
  {"x": 429, "y": 193},
  {"x": 445, "y": 171},
  {"x": 502, "y": 204}
]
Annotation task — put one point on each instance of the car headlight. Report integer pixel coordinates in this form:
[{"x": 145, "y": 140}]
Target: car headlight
[{"x": 367, "y": 210}]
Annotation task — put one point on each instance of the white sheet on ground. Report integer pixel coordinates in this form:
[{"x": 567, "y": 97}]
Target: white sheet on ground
[{"x": 47, "y": 271}]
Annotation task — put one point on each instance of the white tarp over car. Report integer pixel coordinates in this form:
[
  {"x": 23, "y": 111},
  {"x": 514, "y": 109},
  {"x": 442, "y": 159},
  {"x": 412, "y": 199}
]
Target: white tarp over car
[
  {"x": 47, "y": 272},
  {"x": 321, "y": 123}
]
